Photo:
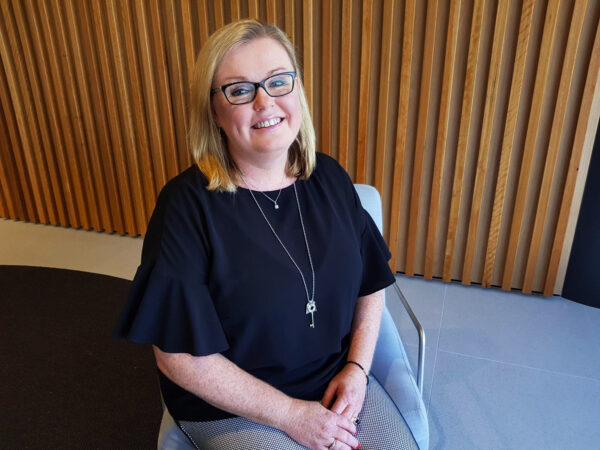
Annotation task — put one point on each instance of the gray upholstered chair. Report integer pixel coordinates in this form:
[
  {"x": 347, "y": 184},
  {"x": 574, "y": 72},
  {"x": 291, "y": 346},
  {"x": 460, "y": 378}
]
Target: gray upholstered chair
[{"x": 390, "y": 365}]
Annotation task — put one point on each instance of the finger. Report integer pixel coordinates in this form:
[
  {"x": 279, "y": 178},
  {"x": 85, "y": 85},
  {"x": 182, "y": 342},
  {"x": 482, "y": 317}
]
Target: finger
[
  {"x": 345, "y": 439},
  {"x": 339, "y": 406},
  {"x": 346, "y": 424},
  {"x": 328, "y": 396},
  {"x": 348, "y": 412}
]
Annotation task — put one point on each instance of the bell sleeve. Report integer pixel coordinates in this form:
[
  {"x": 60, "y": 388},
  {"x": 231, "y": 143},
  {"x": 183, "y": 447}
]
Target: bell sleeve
[
  {"x": 375, "y": 256},
  {"x": 169, "y": 304}
]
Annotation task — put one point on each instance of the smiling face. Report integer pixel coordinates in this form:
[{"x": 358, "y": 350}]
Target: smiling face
[{"x": 267, "y": 126}]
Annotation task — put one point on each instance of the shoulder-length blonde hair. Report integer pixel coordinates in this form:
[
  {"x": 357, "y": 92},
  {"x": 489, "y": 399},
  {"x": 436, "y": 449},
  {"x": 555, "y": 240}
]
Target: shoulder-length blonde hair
[{"x": 207, "y": 142}]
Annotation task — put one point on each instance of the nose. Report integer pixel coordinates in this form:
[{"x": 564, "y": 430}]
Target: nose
[{"x": 262, "y": 99}]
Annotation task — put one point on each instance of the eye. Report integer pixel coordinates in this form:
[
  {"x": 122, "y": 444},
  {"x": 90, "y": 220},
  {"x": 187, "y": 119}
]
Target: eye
[
  {"x": 279, "y": 82},
  {"x": 239, "y": 90},
  {"x": 236, "y": 92}
]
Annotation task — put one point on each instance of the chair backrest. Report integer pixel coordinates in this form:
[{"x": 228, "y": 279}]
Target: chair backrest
[{"x": 371, "y": 201}]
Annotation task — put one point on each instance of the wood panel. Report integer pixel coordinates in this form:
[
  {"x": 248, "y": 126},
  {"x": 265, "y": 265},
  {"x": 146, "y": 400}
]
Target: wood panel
[
  {"x": 508, "y": 139},
  {"x": 402, "y": 128},
  {"x": 364, "y": 89},
  {"x": 472, "y": 118},
  {"x": 442, "y": 136},
  {"x": 485, "y": 142},
  {"x": 465, "y": 127},
  {"x": 422, "y": 128}
]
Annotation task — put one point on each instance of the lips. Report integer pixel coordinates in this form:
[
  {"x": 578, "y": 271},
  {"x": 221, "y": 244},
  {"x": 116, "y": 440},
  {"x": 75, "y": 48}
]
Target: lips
[{"x": 267, "y": 123}]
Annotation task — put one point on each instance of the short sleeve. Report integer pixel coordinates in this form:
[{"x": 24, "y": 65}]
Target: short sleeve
[
  {"x": 169, "y": 304},
  {"x": 375, "y": 256},
  {"x": 176, "y": 315}
]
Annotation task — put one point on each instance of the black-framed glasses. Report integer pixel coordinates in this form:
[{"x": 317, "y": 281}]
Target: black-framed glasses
[{"x": 242, "y": 92}]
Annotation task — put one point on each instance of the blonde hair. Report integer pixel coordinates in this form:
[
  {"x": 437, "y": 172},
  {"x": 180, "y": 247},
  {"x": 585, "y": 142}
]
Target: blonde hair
[{"x": 207, "y": 141}]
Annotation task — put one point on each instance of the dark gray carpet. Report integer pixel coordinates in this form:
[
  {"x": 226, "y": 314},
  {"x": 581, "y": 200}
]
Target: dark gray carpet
[{"x": 64, "y": 381}]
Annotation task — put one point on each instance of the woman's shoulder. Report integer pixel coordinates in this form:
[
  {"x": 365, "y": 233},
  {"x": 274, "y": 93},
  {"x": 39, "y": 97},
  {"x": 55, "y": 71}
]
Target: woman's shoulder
[
  {"x": 187, "y": 185},
  {"x": 328, "y": 167}
]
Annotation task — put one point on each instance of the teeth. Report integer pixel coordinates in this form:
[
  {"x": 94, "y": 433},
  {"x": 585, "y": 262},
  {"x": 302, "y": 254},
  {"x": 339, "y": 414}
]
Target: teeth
[{"x": 268, "y": 123}]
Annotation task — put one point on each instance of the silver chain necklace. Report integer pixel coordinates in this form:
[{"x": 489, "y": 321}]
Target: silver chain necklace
[
  {"x": 311, "y": 306},
  {"x": 275, "y": 204}
]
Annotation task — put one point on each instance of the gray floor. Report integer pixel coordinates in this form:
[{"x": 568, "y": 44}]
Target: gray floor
[{"x": 503, "y": 370}]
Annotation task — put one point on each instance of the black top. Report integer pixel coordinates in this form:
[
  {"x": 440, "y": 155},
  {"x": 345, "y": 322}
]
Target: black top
[{"x": 214, "y": 279}]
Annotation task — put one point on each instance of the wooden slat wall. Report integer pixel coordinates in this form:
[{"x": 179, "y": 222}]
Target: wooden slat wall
[{"x": 472, "y": 118}]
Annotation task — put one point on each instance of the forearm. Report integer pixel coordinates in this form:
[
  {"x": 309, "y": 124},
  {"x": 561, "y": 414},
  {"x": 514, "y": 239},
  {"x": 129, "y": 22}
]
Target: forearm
[
  {"x": 224, "y": 385},
  {"x": 365, "y": 329}
]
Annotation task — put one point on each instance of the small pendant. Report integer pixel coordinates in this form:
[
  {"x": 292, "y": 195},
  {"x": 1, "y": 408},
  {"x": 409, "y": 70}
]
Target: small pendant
[
  {"x": 311, "y": 308},
  {"x": 276, "y": 206}
]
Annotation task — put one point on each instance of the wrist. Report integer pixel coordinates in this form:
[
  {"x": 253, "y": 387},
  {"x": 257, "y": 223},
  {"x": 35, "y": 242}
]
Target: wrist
[
  {"x": 287, "y": 411},
  {"x": 356, "y": 364}
]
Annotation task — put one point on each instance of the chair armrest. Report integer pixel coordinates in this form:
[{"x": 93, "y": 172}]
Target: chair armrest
[{"x": 417, "y": 324}]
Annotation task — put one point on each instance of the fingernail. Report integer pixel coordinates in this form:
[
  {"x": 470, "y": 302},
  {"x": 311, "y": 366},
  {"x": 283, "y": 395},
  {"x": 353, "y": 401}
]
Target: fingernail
[{"x": 358, "y": 446}]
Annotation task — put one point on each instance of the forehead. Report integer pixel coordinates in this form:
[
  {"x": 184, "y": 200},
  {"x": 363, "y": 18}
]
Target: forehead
[{"x": 254, "y": 61}]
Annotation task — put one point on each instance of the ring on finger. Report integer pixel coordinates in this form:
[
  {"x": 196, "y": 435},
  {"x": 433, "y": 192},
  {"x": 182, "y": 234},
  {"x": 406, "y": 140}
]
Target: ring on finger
[
  {"x": 355, "y": 420},
  {"x": 333, "y": 443}
]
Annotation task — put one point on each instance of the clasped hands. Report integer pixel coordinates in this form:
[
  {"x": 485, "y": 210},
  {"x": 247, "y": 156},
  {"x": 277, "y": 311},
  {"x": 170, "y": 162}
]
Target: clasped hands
[{"x": 330, "y": 422}]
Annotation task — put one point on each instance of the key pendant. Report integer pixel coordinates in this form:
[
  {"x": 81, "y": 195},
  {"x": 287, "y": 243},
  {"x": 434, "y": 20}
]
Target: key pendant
[{"x": 311, "y": 308}]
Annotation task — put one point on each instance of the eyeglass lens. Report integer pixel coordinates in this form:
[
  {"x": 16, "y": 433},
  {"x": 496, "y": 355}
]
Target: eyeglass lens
[{"x": 244, "y": 92}]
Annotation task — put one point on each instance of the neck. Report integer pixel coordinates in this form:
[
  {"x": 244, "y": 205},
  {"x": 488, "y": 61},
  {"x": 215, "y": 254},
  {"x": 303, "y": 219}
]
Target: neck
[{"x": 264, "y": 174}]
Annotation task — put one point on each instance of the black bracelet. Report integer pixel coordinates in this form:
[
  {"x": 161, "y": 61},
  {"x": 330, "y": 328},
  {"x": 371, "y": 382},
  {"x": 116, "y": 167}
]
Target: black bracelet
[{"x": 361, "y": 368}]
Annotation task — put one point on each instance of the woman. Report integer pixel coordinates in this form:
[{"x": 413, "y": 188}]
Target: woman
[{"x": 261, "y": 279}]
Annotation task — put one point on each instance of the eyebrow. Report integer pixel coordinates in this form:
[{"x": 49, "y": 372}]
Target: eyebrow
[{"x": 242, "y": 78}]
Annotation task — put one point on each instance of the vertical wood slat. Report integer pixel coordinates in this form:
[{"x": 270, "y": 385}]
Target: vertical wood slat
[
  {"x": 96, "y": 115},
  {"x": 307, "y": 45},
  {"x": 508, "y": 139},
  {"x": 203, "y": 28},
  {"x": 326, "y": 76},
  {"x": 219, "y": 12},
  {"x": 364, "y": 95},
  {"x": 345, "y": 75},
  {"x": 486, "y": 138},
  {"x": 422, "y": 127},
  {"x": 272, "y": 11},
  {"x": 9, "y": 190},
  {"x": 290, "y": 20},
  {"x": 129, "y": 164},
  {"x": 50, "y": 132},
  {"x": 89, "y": 131},
  {"x": 541, "y": 80},
  {"x": 151, "y": 102},
  {"x": 236, "y": 9},
  {"x": 188, "y": 37},
  {"x": 402, "y": 126},
  {"x": 24, "y": 114},
  {"x": 45, "y": 158},
  {"x": 556, "y": 134},
  {"x": 164, "y": 98},
  {"x": 137, "y": 111},
  {"x": 584, "y": 138},
  {"x": 112, "y": 115},
  {"x": 384, "y": 91},
  {"x": 442, "y": 136},
  {"x": 463, "y": 137},
  {"x": 253, "y": 9},
  {"x": 178, "y": 84},
  {"x": 74, "y": 133},
  {"x": 94, "y": 96},
  {"x": 20, "y": 192}
]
